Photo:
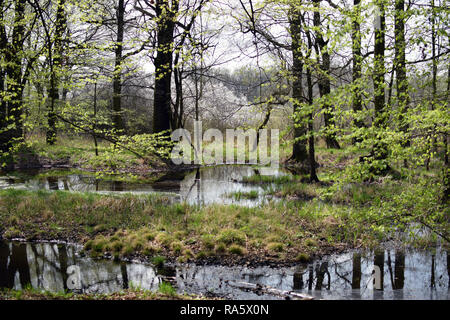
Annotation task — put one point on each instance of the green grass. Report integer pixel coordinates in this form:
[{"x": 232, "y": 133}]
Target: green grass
[
  {"x": 166, "y": 292},
  {"x": 260, "y": 179},
  {"x": 241, "y": 195},
  {"x": 166, "y": 288},
  {"x": 79, "y": 151}
]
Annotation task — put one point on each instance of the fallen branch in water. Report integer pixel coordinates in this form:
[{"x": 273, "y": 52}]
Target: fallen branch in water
[{"x": 259, "y": 289}]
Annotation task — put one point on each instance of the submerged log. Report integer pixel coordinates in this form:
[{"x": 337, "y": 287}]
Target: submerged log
[{"x": 262, "y": 289}]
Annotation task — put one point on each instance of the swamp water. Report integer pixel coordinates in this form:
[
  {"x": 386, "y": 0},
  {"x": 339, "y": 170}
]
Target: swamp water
[
  {"x": 201, "y": 186},
  {"x": 404, "y": 275}
]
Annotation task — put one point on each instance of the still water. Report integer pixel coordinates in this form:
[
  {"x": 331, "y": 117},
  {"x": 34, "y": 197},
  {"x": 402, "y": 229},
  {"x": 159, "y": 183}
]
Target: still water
[
  {"x": 408, "y": 274},
  {"x": 201, "y": 186}
]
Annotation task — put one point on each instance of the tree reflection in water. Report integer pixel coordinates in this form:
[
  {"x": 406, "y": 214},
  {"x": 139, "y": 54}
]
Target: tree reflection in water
[{"x": 405, "y": 275}]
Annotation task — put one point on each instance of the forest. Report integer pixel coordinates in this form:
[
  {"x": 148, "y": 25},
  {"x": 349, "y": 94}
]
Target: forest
[{"x": 92, "y": 93}]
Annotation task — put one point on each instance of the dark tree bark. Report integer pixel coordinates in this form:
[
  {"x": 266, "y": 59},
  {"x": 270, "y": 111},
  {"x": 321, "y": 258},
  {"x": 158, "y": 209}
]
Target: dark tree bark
[
  {"x": 4, "y": 255},
  {"x": 400, "y": 65},
  {"x": 446, "y": 165},
  {"x": 399, "y": 270},
  {"x": 123, "y": 271},
  {"x": 62, "y": 256},
  {"x": 379, "y": 261},
  {"x": 324, "y": 80},
  {"x": 312, "y": 154},
  {"x": 163, "y": 64},
  {"x": 379, "y": 69},
  {"x": 56, "y": 59},
  {"x": 13, "y": 84},
  {"x": 18, "y": 263},
  {"x": 117, "y": 75},
  {"x": 356, "y": 274},
  {"x": 3, "y": 105},
  {"x": 380, "y": 120},
  {"x": 299, "y": 153},
  {"x": 357, "y": 63}
]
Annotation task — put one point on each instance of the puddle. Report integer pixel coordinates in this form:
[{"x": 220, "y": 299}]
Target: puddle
[
  {"x": 201, "y": 186},
  {"x": 407, "y": 275}
]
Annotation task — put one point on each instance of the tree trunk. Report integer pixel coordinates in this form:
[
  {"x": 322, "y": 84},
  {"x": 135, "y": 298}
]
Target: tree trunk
[
  {"x": 312, "y": 154},
  {"x": 380, "y": 120},
  {"x": 3, "y": 105},
  {"x": 324, "y": 80},
  {"x": 299, "y": 153},
  {"x": 446, "y": 165},
  {"x": 163, "y": 65},
  {"x": 357, "y": 65},
  {"x": 400, "y": 66},
  {"x": 12, "y": 109},
  {"x": 117, "y": 75},
  {"x": 56, "y": 59}
]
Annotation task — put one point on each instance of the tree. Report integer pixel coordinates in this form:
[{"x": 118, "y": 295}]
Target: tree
[
  {"x": 357, "y": 64},
  {"x": 380, "y": 117},
  {"x": 117, "y": 74},
  {"x": 15, "y": 68},
  {"x": 299, "y": 152},
  {"x": 321, "y": 46},
  {"x": 400, "y": 66},
  {"x": 55, "y": 55}
]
